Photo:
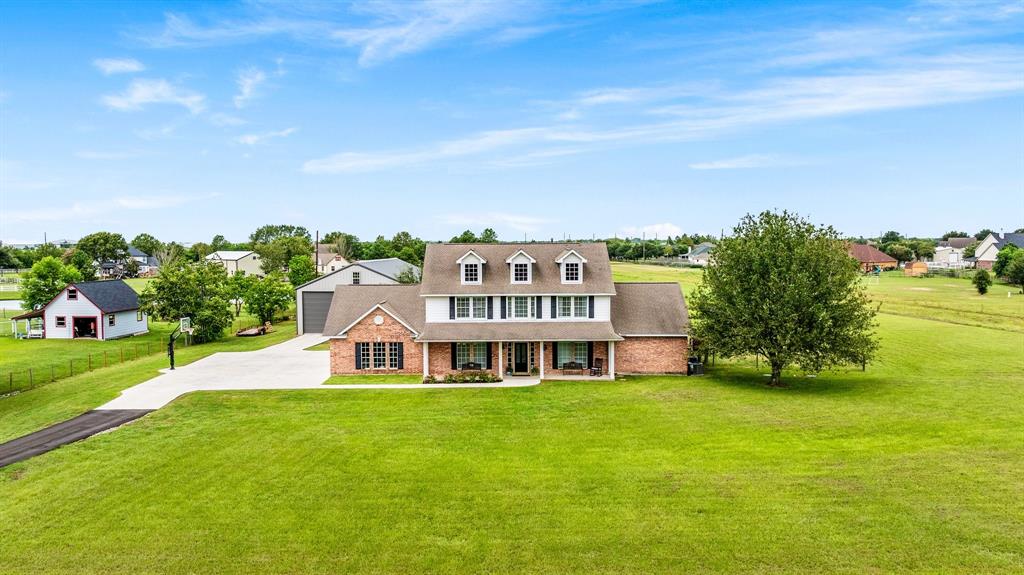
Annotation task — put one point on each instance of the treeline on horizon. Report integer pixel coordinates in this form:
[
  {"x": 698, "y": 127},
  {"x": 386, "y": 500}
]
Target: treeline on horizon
[{"x": 278, "y": 244}]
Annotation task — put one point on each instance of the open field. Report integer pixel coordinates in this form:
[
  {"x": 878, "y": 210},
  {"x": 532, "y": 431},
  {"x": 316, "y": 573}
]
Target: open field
[{"x": 911, "y": 466}]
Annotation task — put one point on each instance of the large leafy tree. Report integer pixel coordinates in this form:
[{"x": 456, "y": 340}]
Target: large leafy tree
[
  {"x": 787, "y": 290},
  {"x": 45, "y": 280},
  {"x": 195, "y": 290},
  {"x": 891, "y": 237},
  {"x": 982, "y": 234},
  {"x": 954, "y": 234},
  {"x": 237, "y": 289},
  {"x": 104, "y": 246},
  {"x": 301, "y": 270},
  {"x": 1014, "y": 271},
  {"x": 83, "y": 262},
  {"x": 268, "y": 296},
  {"x": 147, "y": 244},
  {"x": 1003, "y": 259},
  {"x": 274, "y": 256},
  {"x": 269, "y": 233}
]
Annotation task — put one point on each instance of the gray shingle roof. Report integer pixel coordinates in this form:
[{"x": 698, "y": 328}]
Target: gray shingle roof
[
  {"x": 391, "y": 267},
  {"x": 957, "y": 243},
  {"x": 441, "y": 272},
  {"x": 109, "y": 295},
  {"x": 649, "y": 309},
  {"x": 350, "y": 302},
  {"x": 1008, "y": 238}
]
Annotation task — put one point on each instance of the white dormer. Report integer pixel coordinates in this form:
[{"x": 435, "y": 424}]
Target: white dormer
[
  {"x": 471, "y": 268},
  {"x": 570, "y": 265},
  {"x": 520, "y": 267}
]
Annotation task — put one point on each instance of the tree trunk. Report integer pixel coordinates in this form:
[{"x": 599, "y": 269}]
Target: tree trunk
[{"x": 776, "y": 379}]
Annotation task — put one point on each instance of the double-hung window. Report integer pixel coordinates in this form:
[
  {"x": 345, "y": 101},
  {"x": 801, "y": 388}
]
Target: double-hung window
[
  {"x": 355, "y": 278},
  {"x": 575, "y": 351},
  {"x": 111, "y": 319},
  {"x": 393, "y": 355},
  {"x": 471, "y": 273},
  {"x": 379, "y": 359},
  {"x": 521, "y": 273},
  {"x": 522, "y": 307},
  {"x": 475, "y": 352},
  {"x": 61, "y": 321},
  {"x": 572, "y": 272},
  {"x": 573, "y": 306},
  {"x": 471, "y": 307},
  {"x": 364, "y": 355}
]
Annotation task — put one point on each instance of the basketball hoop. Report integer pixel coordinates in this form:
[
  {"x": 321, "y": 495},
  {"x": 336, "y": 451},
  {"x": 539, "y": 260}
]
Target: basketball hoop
[{"x": 185, "y": 324}]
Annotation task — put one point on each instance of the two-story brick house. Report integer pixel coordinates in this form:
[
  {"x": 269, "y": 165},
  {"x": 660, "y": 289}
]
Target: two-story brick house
[{"x": 512, "y": 309}]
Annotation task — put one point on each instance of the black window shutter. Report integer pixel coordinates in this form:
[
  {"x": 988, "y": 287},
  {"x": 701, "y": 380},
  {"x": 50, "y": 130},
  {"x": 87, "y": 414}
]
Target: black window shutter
[
  {"x": 490, "y": 307},
  {"x": 540, "y": 310},
  {"x": 503, "y": 304},
  {"x": 554, "y": 355},
  {"x": 590, "y": 307},
  {"x": 401, "y": 355},
  {"x": 451, "y": 308},
  {"x": 359, "y": 356},
  {"x": 590, "y": 353},
  {"x": 489, "y": 362},
  {"x": 455, "y": 357},
  {"x": 554, "y": 307}
]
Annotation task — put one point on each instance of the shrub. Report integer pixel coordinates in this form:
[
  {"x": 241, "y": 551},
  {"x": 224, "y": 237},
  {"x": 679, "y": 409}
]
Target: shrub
[{"x": 982, "y": 280}]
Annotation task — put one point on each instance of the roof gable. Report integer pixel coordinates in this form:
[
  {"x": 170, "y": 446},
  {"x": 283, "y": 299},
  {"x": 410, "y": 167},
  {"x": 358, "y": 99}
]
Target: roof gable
[
  {"x": 869, "y": 254},
  {"x": 471, "y": 253},
  {"x": 512, "y": 257},
  {"x": 109, "y": 295}
]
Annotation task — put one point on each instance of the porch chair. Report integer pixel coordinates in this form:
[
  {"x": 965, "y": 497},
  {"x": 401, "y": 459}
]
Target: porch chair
[{"x": 598, "y": 368}]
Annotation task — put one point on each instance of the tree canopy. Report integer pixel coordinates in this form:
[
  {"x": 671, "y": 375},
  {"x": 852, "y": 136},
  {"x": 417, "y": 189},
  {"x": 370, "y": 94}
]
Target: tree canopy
[
  {"x": 786, "y": 290},
  {"x": 267, "y": 296},
  {"x": 147, "y": 244},
  {"x": 45, "y": 280},
  {"x": 269, "y": 233},
  {"x": 301, "y": 270},
  {"x": 197, "y": 290}
]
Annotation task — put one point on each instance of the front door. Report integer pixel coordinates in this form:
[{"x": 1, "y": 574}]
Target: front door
[{"x": 521, "y": 358}]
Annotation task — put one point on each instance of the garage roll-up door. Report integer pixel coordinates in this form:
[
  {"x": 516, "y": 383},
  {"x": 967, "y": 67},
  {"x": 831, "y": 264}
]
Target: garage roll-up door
[{"x": 315, "y": 305}]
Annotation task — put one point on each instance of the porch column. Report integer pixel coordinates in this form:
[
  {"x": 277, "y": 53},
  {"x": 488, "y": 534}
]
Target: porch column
[
  {"x": 541, "y": 356},
  {"x": 611, "y": 359},
  {"x": 426, "y": 359},
  {"x": 501, "y": 360}
]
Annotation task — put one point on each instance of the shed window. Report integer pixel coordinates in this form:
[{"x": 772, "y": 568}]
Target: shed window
[
  {"x": 111, "y": 319},
  {"x": 72, "y": 294},
  {"x": 60, "y": 321},
  {"x": 355, "y": 278},
  {"x": 138, "y": 315}
]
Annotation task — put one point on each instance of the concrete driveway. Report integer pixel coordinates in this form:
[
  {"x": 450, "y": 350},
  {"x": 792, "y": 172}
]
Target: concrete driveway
[{"x": 283, "y": 366}]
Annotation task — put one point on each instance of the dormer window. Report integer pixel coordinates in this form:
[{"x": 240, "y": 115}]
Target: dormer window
[
  {"x": 572, "y": 272},
  {"x": 471, "y": 268},
  {"x": 520, "y": 273},
  {"x": 521, "y": 267},
  {"x": 570, "y": 262}
]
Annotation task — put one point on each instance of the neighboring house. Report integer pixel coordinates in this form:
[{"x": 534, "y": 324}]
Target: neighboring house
[
  {"x": 914, "y": 269},
  {"x": 93, "y": 310},
  {"x": 313, "y": 299},
  {"x": 510, "y": 309},
  {"x": 328, "y": 261},
  {"x": 700, "y": 254},
  {"x": 871, "y": 258},
  {"x": 147, "y": 263},
  {"x": 950, "y": 253},
  {"x": 238, "y": 261},
  {"x": 986, "y": 252}
]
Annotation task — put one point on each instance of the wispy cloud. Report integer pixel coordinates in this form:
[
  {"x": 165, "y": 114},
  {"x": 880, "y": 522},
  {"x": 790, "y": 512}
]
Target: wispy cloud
[
  {"x": 745, "y": 162},
  {"x": 110, "y": 66},
  {"x": 142, "y": 92},
  {"x": 248, "y": 80},
  {"x": 921, "y": 82},
  {"x": 662, "y": 231},
  {"x": 221, "y": 120},
  {"x": 518, "y": 222},
  {"x": 85, "y": 210},
  {"x": 254, "y": 139}
]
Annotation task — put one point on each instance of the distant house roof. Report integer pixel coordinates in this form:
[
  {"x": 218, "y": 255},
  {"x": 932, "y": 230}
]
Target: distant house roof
[
  {"x": 390, "y": 267},
  {"x": 229, "y": 255},
  {"x": 701, "y": 249},
  {"x": 110, "y": 295},
  {"x": 1003, "y": 240},
  {"x": 136, "y": 252},
  {"x": 866, "y": 254},
  {"x": 956, "y": 243},
  {"x": 649, "y": 309}
]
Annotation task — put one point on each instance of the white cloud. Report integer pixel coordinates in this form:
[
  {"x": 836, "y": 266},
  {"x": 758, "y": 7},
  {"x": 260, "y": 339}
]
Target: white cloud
[
  {"x": 254, "y": 139},
  {"x": 155, "y": 91},
  {"x": 745, "y": 162},
  {"x": 248, "y": 80},
  {"x": 221, "y": 119},
  {"x": 652, "y": 231},
  {"x": 110, "y": 66},
  {"x": 86, "y": 210},
  {"x": 518, "y": 222}
]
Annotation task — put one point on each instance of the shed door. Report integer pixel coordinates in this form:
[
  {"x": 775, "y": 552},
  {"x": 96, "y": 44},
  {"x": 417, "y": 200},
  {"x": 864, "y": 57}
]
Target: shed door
[{"x": 315, "y": 305}]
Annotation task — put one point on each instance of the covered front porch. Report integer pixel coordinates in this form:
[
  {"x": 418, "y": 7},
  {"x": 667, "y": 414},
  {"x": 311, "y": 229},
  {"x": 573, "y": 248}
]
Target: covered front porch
[{"x": 553, "y": 360}]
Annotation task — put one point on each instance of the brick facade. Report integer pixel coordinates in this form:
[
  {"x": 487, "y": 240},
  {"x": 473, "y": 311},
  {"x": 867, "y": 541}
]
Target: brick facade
[
  {"x": 441, "y": 359},
  {"x": 343, "y": 359},
  {"x": 651, "y": 355},
  {"x": 600, "y": 351}
]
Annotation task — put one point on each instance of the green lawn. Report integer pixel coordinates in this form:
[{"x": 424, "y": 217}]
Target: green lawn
[
  {"x": 9, "y": 295},
  {"x": 911, "y": 466},
  {"x": 397, "y": 378}
]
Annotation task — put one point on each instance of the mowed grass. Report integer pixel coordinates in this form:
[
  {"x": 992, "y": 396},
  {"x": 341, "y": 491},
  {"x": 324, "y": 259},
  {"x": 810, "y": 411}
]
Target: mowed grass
[
  {"x": 911, "y": 466},
  {"x": 371, "y": 378},
  {"x": 952, "y": 300}
]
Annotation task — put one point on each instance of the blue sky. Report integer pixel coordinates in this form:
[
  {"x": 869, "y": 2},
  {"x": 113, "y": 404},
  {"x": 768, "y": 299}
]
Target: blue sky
[{"x": 541, "y": 120}]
